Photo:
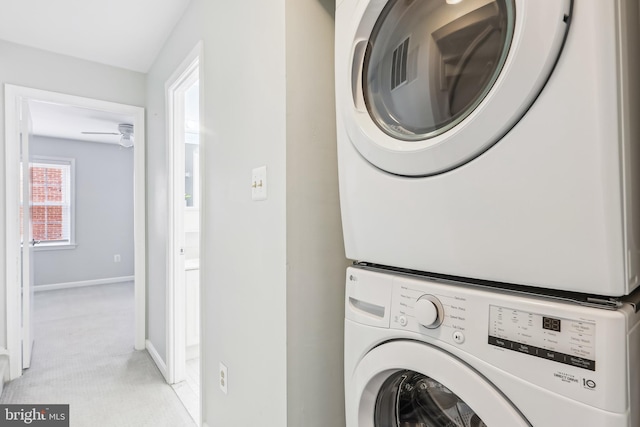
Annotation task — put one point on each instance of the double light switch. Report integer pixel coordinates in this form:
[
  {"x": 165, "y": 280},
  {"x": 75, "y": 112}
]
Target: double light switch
[{"x": 259, "y": 183}]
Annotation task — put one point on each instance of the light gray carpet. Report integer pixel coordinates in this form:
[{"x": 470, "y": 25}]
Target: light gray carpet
[{"x": 83, "y": 356}]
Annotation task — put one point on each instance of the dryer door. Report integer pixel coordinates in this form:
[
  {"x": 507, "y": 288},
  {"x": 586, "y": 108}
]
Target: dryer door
[
  {"x": 405, "y": 383},
  {"x": 425, "y": 86}
]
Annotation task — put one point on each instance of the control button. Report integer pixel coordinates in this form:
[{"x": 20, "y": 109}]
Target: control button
[
  {"x": 458, "y": 337},
  {"x": 403, "y": 321},
  {"x": 429, "y": 311}
]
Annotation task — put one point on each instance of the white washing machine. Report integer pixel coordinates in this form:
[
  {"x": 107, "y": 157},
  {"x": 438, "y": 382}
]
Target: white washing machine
[
  {"x": 492, "y": 139},
  {"x": 419, "y": 352}
]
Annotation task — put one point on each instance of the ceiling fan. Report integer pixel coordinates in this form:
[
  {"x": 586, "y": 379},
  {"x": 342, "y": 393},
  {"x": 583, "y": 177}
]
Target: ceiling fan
[{"x": 125, "y": 131}]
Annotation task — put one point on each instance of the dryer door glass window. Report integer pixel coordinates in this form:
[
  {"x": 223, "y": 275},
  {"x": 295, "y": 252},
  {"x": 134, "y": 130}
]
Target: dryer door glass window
[
  {"x": 410, "y": 399},
  {"x": 430, "y": 63}
]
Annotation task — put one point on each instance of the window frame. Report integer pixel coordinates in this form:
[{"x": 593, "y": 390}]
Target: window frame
[{"x": 71, "y": 162}]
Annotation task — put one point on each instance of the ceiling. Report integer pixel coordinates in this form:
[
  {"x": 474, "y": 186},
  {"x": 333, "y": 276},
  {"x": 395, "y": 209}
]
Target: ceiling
[
  {"x": 68, "y": 122},
  {"x": 127, "y": 34},
  {"x": 122, "y": 33}
]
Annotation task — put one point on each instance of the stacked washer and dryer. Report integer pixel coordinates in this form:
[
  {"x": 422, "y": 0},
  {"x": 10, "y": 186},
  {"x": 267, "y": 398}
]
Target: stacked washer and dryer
[{"x": 489, "y": 161}]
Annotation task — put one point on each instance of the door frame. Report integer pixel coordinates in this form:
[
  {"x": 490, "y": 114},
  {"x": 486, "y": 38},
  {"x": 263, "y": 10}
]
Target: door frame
[
  {"x": 176, "y": 294},
  {"x": 26, "y": 130},
  {"x": 14, "y": 95}
]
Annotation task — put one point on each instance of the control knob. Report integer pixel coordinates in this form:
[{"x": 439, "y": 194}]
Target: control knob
[{"x": 429, "y": 311}]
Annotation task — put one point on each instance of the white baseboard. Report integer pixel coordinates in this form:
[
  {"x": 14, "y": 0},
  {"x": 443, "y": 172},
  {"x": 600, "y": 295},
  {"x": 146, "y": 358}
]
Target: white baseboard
[
  {"x": 193, "y": 352},
  {"x": 156, "y": 358},
  {"x": 56, "y": 286}
]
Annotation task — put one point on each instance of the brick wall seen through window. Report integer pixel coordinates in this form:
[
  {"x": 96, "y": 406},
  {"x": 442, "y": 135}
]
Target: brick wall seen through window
[{"x": 50, "y": 201}]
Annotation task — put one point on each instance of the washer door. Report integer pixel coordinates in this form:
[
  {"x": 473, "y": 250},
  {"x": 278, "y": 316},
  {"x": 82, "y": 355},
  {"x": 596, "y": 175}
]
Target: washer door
[
  {"x": 432, "y": 84},
  {"x": 407, "y": 384}
]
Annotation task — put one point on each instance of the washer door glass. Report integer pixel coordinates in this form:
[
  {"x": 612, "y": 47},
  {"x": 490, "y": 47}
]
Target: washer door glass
[
  {"x": 429, "y": 63},
  {"x": 410, "y": 399}
]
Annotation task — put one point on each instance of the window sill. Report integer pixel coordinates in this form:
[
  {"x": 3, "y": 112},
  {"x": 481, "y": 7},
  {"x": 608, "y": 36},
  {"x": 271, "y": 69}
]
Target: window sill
[{"x": 52, "y": 247}]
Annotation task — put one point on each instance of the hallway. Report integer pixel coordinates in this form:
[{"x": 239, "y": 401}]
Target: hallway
[{"x": 83, "y": 356}]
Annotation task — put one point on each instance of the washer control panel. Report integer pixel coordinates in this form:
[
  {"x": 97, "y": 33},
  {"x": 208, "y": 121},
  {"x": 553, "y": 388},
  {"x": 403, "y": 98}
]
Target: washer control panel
[
  {"x": 574, "y": 351},
  {"x": 567, "y": 341},
  {"x": 429, "y": 311},
  {"x": 432, "y": 313}
]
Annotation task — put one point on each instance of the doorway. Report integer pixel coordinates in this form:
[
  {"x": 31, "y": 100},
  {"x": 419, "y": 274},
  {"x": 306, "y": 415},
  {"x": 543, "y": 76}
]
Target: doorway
[
  {"x": 18, "y": 283},
  {"x": 183, "y": 91}
]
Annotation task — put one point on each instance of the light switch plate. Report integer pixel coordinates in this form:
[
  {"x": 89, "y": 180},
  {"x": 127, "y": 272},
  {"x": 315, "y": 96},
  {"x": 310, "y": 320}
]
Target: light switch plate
[
  {"x": 223, "y": 378},
  {"x": 259, "y": 183}
]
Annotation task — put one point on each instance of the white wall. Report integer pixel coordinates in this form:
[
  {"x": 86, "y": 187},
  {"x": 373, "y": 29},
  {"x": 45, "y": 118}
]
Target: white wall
[
  {"x": 103, "y": 213},
  {"x": 244, "y": 270},
  {"x": 38, "y": 69},
  {"x": 264, "y": 263},
  {"x": 315, "y": 252}
]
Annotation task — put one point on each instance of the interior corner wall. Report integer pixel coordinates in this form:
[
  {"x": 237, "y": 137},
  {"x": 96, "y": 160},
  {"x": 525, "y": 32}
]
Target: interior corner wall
[
  {"x": 315, "y": 251},
  {"x": 24, "y": 66},
  {"x": 103, "y": 213},
  {"x": 243, "y": 254}
]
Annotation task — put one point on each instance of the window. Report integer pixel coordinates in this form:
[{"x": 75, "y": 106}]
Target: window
[
  {"x": 52, "y": 201},
  {"x": 429, "y": 64}
]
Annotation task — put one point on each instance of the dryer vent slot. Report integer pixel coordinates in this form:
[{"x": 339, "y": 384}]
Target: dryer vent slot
[
  {"x": 372, "y": 309},
  {"x": 399, "y": 64}
]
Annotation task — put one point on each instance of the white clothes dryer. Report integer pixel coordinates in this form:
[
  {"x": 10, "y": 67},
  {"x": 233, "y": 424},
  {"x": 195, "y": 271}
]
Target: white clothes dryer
[
  {"x": 419, "y": 352},
  {"x": 492, "y": 139}
]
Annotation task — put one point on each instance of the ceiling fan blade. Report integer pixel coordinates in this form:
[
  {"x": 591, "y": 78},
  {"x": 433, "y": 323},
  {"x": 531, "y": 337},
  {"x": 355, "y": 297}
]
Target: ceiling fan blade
[{"x": 100, "y": 133}]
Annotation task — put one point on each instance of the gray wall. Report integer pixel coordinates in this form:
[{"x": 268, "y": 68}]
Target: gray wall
[
  {"x": 38, "y": 69},
  {"x": 272, "y": 272},
  {"x": 103, "y": 213}
]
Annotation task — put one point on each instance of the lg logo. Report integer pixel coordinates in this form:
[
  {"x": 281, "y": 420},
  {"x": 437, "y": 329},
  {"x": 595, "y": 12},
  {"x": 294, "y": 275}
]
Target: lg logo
[{"x": 590, "y": 384}]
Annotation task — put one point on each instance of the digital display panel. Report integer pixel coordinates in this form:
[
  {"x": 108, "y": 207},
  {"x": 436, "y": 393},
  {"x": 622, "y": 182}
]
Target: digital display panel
[
  {"x": 551, "y": 324},
  {"x": 562, "y": 340}
]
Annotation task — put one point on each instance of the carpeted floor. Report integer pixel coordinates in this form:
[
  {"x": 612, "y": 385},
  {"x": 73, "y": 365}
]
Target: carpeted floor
[{"x": 83, "y": 356}]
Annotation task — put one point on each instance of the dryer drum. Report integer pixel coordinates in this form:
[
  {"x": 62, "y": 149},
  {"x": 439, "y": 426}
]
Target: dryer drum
[
  {"x": 429, "y": 65},
  {"x": 411, "y": 399}
]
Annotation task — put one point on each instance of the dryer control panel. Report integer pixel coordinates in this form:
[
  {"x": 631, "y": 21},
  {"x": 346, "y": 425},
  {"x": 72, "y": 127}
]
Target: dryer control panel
[{"x": 567, "y": 341}]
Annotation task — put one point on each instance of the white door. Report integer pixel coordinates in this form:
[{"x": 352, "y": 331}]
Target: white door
[
  {"x": 406, "y": 383},
  {"x": 425, "y": 86},
  {"x": 183, "y": 111},
  {"x": 28, "y": 241}
]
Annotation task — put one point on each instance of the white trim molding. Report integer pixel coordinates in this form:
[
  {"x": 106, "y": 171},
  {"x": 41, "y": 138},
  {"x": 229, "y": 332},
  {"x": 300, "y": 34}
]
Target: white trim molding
[
  {"x": 162, "y": 367},
  {"x": 188, "y": 71},
  {"x": 81, "y": 283}
]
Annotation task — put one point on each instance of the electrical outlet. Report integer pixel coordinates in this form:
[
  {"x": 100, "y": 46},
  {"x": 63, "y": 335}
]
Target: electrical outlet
[
  {"x": 116, "y": 258},
  {"x": 223, "y": 378}
]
